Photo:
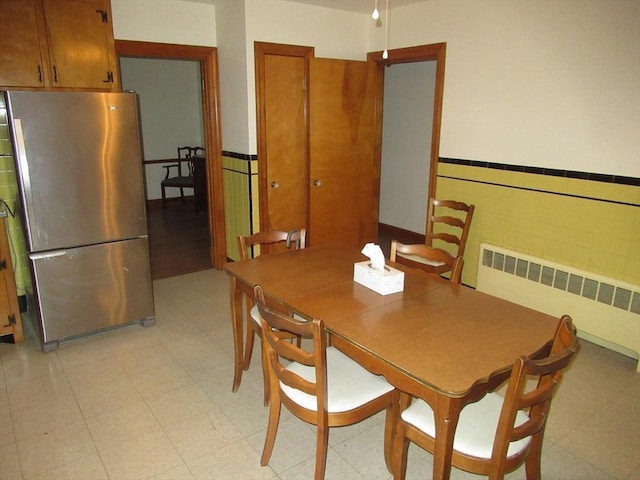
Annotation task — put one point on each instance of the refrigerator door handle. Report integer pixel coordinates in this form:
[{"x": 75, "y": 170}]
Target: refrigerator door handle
[
  {"x": 42, "y": 255},
  {"x": 23, "y": 165}
]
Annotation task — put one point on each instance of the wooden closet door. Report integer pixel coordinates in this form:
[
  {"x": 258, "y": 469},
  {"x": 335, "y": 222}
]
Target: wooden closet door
[
  {"x": 344, "y": 172},
  {"x": 285, "y": 130}
]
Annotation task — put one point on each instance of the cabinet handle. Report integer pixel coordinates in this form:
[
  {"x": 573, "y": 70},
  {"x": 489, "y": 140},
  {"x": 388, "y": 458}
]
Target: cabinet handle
[
  {"x": 12, "y": 321},
  {"x": 55, "y": 74},
  {"x": 103, "y": 15},
  {"x": 3, "y": 264},
  {"x": 317, "y": 183},
  {"x": 39, "y": 74},
  {"x": 109, "y": 78},
  {"x": 275, "y": 184}
]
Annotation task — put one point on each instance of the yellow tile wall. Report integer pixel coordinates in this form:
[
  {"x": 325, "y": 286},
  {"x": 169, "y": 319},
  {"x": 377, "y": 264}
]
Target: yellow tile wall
[
  {"x": 9, "y": 203},
  {"x": 240, "y": 179},
  {"x": 590, "y": 225}
]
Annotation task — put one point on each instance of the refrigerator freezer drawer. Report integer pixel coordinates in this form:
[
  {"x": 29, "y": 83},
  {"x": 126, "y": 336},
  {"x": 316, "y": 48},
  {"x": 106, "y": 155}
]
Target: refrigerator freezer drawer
[{"x": 87, "y": 289}]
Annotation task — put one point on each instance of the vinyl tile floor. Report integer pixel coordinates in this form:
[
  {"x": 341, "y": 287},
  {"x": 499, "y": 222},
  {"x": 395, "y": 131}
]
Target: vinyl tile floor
[{"x": 156, "y": 403}]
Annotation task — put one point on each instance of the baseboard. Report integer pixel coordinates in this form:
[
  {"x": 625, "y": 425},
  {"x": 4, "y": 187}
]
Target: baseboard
[
  {"x": 157, "y": 202},
  {"x": 400, "y": 234}
]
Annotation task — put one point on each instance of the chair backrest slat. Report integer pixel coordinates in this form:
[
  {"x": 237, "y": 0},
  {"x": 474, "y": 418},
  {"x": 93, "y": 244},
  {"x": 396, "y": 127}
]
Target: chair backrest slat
[
  {"x": 292, "y": 239},
  {"x": 443, "y": 212}
]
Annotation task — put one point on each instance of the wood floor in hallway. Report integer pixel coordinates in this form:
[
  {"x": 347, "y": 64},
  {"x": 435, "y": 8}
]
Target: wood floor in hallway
[{"x": 178, "y": 239}]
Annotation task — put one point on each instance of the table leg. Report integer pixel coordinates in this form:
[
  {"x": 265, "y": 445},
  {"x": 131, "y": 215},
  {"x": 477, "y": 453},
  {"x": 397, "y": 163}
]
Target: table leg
[
  {"x": 238, "y": 334},
  {"x": 446, "y": 412}
]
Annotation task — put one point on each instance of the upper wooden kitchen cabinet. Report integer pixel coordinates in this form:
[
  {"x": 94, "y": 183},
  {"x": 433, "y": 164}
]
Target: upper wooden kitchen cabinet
[{"x": 57, "y": 44}]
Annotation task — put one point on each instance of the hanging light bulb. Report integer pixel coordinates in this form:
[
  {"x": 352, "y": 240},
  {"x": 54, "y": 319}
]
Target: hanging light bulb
[
  {"x": 385, "y": 54},
  {"x": 375, "y": 15}
]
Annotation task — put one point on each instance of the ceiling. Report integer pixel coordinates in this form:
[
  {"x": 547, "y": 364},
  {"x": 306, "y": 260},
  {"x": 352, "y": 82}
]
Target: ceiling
[{"x": 358, "y": 6}]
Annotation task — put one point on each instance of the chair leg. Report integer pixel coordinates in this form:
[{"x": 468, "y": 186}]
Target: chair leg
[
  {"x": 248, "y": 347},
  {"x": 237, "y": 319},
  {"x": 164, "y": 198},
  {"x": 532, "y": 462},
  {"x": 322, "y": 440},
  {"x": 272, "y": 430},
  {"x": 399, "y": 443},
  {"x": 265, "y": 378}
]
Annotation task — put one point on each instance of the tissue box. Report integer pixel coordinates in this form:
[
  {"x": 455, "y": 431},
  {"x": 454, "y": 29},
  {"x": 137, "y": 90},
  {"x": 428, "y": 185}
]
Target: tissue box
[{"x": 384, "y": 282}]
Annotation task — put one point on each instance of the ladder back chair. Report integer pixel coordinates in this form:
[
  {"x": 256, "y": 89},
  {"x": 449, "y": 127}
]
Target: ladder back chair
[
  {"x": 497, "y": 435},
  {"x": 248, "y": 246},
  {"x": 422, "y": 256},
  {"x": 322, "y": 386},
  {"x": 448, "y": 224}
]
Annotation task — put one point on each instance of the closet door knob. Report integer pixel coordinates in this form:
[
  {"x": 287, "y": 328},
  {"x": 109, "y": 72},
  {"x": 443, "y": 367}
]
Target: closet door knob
[
  {"x": 317, "y": 183},
  {"x": 275, "y": 184}
]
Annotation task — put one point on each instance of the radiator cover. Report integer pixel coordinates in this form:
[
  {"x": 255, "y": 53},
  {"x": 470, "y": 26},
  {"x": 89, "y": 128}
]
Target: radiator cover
[{"x": 605, "y": 311}]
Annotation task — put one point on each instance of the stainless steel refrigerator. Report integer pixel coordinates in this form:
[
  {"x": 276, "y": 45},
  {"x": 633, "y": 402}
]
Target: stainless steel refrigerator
[{"x": 79, "y": 170}]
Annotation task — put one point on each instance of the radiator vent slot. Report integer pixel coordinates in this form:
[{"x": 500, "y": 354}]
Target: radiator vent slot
[{"x": 599, "y": 291}]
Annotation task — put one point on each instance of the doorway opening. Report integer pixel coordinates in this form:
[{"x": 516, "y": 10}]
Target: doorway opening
[
  {"x": 208, "y": 61},
  {"x": 434, "y": 56}
]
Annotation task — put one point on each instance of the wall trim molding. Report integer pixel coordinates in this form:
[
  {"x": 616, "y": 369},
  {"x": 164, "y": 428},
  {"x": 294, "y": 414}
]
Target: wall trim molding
[
  {"x": 241, "y": 156},
  {"x": 595, "y": 177}
]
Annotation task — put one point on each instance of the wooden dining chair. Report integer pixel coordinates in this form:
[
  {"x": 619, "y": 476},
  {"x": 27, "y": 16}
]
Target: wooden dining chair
[
  {"x": 183, "y": 175},
  {"x": 419, "y": 255},
  {"x": 497, "y": 435},
  {"x": 249, "y": 247},
  {"x": 322, "y": 386},
  {"x": 448, "y": 224}
]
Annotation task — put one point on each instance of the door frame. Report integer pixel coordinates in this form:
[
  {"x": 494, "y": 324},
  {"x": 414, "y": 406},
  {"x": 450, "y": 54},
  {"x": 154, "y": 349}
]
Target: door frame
[
  {"x": 421, "y": 53},
  {"x": 208, "y": 58}
]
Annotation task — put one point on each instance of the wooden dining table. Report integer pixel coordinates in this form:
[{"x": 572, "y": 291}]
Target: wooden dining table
[{"x": 445, "y": 343}]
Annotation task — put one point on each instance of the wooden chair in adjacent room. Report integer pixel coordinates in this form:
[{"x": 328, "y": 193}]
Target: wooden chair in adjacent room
[
  {"x": 322, "y": 386},
  {"x": 182, "y": 177},
  {"x": 248, "y": 246},
  {"x": 448, "y": 224},
  {"x": 496, "y": 435}
]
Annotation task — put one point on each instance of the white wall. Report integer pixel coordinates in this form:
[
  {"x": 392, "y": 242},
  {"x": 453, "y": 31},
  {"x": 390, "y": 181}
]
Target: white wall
[
  {"x": 164, "y": 21},
  {"x": 547, "y": 83},
  {"x": 333, "y": 33},
  {"x": 170, "y": 110},
  {"x": 406, "y": 144},
  {"x": 237, "y": 130}
]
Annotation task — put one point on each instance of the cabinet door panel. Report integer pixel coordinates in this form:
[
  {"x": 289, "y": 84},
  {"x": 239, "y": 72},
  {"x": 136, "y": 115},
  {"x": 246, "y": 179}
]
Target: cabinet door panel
[
  {"x": 286, "y": 140},
  {"x": 344, "y": 174},
  {"x": 21, "y": 62},
  {"x": 79, "y": 43}
]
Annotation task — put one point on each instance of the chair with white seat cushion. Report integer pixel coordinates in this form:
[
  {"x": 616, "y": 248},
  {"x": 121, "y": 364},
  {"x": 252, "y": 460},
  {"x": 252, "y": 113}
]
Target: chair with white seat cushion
[
  {"x": 323, "y": 386},
  {"x": 497, "y": 435},
  {"x": 249, "y": 247}
]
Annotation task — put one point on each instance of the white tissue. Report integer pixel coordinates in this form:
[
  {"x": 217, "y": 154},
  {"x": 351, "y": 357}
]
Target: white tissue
[{"x": 374, "y": 252}]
